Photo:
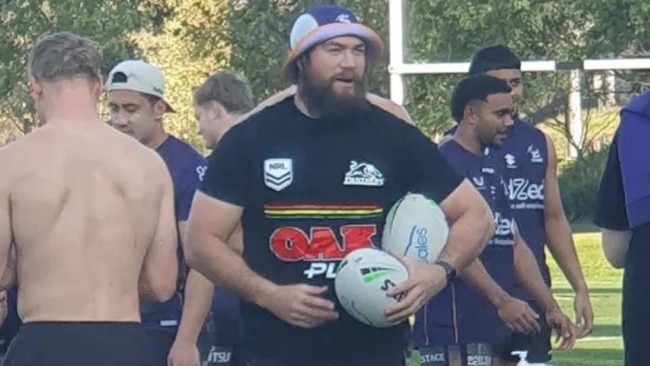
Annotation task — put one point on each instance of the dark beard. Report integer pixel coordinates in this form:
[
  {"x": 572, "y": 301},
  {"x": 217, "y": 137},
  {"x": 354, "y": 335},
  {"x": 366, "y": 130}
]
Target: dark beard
[{"x": 322, "y": 102}]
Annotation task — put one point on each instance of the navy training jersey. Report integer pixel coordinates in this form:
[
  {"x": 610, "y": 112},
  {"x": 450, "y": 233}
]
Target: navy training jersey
[
  {"x": 523, "y": 161},
  {"x": 313, "y": 191},
  {"x": 186, "y": 167},
  {"x": 459, "y": 314}
]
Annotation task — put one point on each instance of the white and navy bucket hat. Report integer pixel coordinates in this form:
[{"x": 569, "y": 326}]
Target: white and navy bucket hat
[{"x": 321, "y": 23}]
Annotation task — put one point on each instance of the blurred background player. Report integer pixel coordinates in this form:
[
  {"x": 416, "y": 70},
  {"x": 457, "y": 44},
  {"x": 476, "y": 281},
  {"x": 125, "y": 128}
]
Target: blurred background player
[
  {"x": 137, "y": 107},
  {"x": 218, "y": 105}
]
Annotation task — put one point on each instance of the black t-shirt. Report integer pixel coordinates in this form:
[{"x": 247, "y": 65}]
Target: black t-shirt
[
  {"x": 312, "y": 191},
  {"x": 610, "y": 203}
]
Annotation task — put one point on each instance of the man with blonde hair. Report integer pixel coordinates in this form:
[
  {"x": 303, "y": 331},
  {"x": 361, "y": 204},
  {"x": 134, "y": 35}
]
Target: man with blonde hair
[{"x": 86, "y": 220}]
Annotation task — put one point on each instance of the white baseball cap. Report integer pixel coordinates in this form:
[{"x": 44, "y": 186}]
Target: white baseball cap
[{"x": 139, "y": 76}]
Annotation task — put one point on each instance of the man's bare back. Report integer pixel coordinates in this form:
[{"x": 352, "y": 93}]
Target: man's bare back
[{"x": 92, "y": 217}]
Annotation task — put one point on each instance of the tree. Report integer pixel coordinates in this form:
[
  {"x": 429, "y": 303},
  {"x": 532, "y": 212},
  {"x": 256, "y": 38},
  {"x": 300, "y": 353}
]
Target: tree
[
  {"x": 442, "y": 31},
  {"x": 184, "y": 62},
  {"x": 24, "y": 22},
  {"x": 535, "y": 29}
]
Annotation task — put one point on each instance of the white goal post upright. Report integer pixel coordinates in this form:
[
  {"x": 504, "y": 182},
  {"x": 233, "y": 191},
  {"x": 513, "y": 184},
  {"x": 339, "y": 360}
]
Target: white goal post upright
[{"x": 397, "y": 68}]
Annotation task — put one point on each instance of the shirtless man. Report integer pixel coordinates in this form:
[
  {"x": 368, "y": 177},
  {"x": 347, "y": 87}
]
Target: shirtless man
[{"x": 86, "y": 221}]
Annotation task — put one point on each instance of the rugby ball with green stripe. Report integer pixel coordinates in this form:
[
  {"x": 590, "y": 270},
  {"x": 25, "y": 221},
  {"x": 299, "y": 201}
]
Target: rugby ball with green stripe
[
  {"x": 362, "y": 281},
  {"x": 415, "y": 227}
]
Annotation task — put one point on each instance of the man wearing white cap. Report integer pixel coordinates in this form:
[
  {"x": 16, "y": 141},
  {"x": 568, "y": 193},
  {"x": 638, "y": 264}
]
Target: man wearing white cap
[
  {"x": 282, "y": 173},
  {"x": 137, "y": 106}
]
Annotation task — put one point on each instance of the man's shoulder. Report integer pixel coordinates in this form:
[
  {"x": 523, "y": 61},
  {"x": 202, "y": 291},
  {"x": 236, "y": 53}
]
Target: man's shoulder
[
  {"x": 385, "y": 119},
  {"x": 528, "y": 128},
  {"x": 523, "y": 136},
  {"x": 183, "y": 148},
  {"x": 390, "y": 107},
  {"x": 640, "y": 104},
  {"x": 265, "y": 111}
]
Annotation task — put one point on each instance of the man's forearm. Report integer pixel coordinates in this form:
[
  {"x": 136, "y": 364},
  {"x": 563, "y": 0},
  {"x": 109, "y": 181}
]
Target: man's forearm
[
  {"x": 561, "y": 246},
  {"x": 198, "y": 299},
  {"x": 9, "y": 275},
  {"x": 477, "y": 276},
  {"x": 615, "y": 245},
  {"x": 529, "y": 277},
  {"x": 468, "y": 236},
  {"x": 226, "y": 269}
]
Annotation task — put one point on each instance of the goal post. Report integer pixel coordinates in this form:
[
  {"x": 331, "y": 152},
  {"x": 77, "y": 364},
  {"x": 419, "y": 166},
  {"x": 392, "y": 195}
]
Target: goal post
[{"x": 397, "y": 68}]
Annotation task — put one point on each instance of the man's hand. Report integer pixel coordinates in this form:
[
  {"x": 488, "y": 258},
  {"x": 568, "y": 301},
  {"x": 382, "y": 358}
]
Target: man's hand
[
  {"x": 183, "y": 354},
  {"x": 518, "y": 316},
  {"x": 584, "y": 314},
  {"x": 301, "y": 305},
  {"x": 424, "y": 281},
  {"x": 563, "y": 328}
]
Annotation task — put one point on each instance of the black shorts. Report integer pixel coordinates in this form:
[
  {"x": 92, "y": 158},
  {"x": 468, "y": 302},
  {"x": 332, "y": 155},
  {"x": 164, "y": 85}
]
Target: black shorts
[
  {"x": 537, "y": 345},
  {"x": 80, "y": 343},
  {"x": 161, "y": 340}
]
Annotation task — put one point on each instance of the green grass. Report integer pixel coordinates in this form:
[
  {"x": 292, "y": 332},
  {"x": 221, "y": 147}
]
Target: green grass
[{"x": 604, "y": 346}]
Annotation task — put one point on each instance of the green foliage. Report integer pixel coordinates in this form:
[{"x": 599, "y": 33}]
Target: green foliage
[
  {"x": 24, "y": 22},
  {"x": 173, "y": 50},
  {"x": 579, "y": 183}
]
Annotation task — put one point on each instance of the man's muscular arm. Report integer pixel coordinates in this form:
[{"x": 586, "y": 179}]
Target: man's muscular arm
[
  {"x": 477, "y": 276},
  {"x": 517, "y": 314},
  {"x": 160, "y": 267},
  {"x": 528, "y": 275},
  {"x": 6, "y": 235},
  {"x": 211, "y": 223},
  {"x": 558, "y": 230},
  {"x": 198, "y": 298},
  {"x": 9, "y": 276},
  {"x": 615, "y": 245},
  {"x": 561, "y": 245},
  {"x": 532, "y": 281},
  {"x": 472, "y": 225}
]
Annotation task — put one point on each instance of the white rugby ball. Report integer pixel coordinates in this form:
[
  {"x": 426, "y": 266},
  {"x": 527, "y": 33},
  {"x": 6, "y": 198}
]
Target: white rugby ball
[
  {"x": 362, "y": 280},
  {"x": 416, "y": 227}
]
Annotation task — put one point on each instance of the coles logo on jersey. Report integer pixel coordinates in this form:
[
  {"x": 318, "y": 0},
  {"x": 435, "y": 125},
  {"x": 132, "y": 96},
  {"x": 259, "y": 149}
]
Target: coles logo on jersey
[
  {"x": 524, "y": 194},
  {"x": 321, "y": 245}
]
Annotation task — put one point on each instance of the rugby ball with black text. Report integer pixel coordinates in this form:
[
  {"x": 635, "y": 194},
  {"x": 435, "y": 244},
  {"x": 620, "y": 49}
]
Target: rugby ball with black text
[
  {"x": 362, "y": 281},
  {"x": 416, "y": 227}
]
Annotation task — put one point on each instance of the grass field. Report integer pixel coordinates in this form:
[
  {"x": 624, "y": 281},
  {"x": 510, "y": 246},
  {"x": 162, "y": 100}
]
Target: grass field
[{"x": 604, "y": 346}]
